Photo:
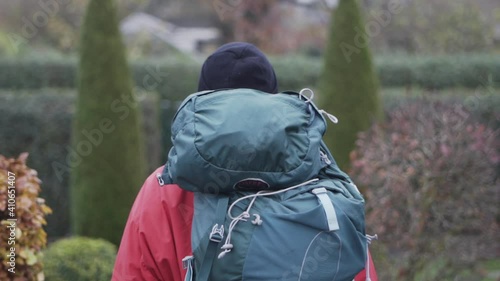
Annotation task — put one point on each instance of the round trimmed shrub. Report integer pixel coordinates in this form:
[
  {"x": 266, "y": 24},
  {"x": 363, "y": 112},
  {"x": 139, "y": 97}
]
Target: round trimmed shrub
[{"x": 79, "y": 259}]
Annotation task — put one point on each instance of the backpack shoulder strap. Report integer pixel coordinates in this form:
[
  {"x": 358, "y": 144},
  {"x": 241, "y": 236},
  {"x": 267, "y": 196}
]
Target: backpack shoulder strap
[{"x": 215, "y": 238}]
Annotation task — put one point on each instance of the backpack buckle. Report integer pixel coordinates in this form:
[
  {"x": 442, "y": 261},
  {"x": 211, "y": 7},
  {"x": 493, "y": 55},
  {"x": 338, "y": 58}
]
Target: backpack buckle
[{"x": 217, "y": 233}]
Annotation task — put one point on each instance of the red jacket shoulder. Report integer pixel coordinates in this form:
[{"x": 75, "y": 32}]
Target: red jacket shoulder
[
  {"x": 158, "y": 233},
  {"x": 154, "y": 198}
]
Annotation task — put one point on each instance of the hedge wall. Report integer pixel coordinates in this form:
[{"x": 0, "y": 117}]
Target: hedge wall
[
  {"x": 41, "y": 125},
  {"x": 36, "y": 73},
  {"x": 439, "y": 72},
  {"x": 175, "y": 78},
  {"x": 482, "y": 103}
]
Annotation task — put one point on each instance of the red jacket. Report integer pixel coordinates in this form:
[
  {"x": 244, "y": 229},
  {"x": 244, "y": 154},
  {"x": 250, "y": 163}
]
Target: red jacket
[{"x": 158, "y": 235}]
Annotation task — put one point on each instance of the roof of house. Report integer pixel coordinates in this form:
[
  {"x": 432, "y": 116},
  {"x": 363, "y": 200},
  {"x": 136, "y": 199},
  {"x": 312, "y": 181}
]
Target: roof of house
[{"x": 185, "y": 39}]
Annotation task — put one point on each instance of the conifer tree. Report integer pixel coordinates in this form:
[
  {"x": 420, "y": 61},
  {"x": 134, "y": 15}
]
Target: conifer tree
[
  {"x": 348, "y": 86},
  {"x": 107, "y": 150}
]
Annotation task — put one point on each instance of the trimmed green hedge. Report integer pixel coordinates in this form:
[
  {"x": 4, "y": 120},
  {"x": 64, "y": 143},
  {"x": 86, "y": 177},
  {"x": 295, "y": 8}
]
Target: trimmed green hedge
[
  {"x": 36, "y": 73},
  {"x": 439, "y": 72},
  {"x": 296, "y": 73},
  {"x": 176, "y": 78},
  {"x": 482, "y": 103},
  {"x": 40, "y": 123},
  {"x": 79, "y": 259},
  {"x": 172, "y": 78}
]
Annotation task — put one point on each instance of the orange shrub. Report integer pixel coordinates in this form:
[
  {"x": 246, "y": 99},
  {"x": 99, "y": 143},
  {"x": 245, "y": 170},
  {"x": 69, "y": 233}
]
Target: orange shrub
[{"x": 22, "y": 216}]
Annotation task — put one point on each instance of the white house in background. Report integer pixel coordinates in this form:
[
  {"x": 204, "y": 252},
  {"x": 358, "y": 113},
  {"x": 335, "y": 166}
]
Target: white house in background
[
  {"x": 185, "y": 39},
  {"x": 328, "y": 3}
]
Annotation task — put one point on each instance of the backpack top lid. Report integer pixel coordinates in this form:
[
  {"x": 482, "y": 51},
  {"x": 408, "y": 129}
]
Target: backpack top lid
[{"x": 244, "y": 139}]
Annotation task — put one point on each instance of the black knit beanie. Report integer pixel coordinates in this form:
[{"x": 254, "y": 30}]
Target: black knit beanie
[{"x": 238, "y": 65}]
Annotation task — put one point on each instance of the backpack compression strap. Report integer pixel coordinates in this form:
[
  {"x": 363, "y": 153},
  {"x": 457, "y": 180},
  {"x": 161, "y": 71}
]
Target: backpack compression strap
[{"x": 215, "y": 238}]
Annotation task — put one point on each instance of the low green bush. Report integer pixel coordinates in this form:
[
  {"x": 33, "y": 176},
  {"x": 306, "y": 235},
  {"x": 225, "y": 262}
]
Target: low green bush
[
  {"x": 79, "y": 259},
  {"x": 40, "y": 123}
]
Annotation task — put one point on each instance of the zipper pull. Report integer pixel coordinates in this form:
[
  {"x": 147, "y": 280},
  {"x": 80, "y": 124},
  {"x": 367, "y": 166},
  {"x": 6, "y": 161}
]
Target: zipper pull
[
  {"x": 324, "y": 157},
  {"x": 160, "y": 179}
]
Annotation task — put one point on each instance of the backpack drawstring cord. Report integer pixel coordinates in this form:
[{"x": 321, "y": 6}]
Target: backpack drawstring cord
[
  {"x": 369, "y": 239},
  {"x": 330, "y": 116},
  {"x": 245, "y": 215},
  {"x": 309, "y": 98}
]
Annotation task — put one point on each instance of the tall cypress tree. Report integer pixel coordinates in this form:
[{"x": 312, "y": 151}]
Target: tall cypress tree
[
  {"x": 106, "y": 152},
  {"x": 348, "y": 86}
]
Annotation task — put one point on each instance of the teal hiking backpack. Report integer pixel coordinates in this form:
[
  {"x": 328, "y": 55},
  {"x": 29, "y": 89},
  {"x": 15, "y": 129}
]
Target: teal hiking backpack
[{"x": 270, "y": 202}]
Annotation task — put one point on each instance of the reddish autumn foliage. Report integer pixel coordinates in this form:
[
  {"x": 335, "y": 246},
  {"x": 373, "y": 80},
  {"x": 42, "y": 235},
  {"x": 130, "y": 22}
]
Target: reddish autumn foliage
[
  {"x": 430, "y": 176},
  {"x": 22, "y": 223}
]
